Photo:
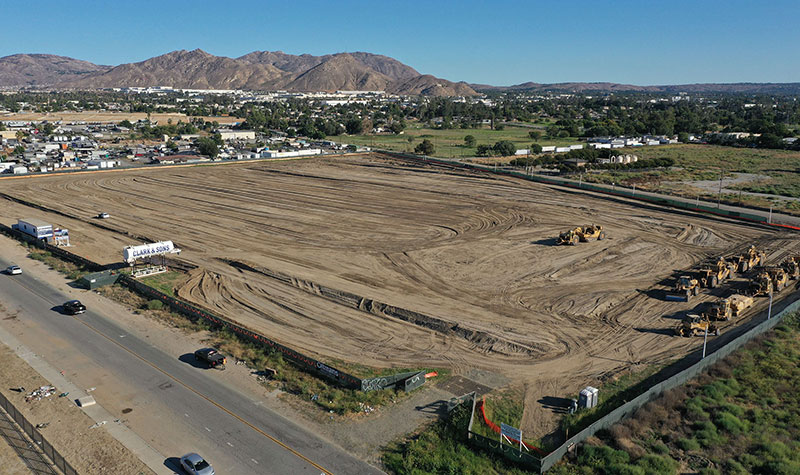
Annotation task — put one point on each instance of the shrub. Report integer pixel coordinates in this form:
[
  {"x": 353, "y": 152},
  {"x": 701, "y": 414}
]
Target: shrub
[
  {"x": 731, "y": 423},
  {"x": 735, "y": 468},
  {"x": 656, "y": 464},
  {"x": 660, "y": 448},
  {"x": 603, "y": 456},
  {"x": 155, "y": 305},
  {"x": 688, "y": 444},
  {"x": 709, "y": 471},
  {"x": 706, "y": 433},
  {"x": 695, "y": 408},
  {"x": 624, "y": 469}
]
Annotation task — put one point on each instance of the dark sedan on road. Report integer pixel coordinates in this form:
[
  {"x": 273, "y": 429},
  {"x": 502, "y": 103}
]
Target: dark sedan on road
[{"x": 74, "y": 307}]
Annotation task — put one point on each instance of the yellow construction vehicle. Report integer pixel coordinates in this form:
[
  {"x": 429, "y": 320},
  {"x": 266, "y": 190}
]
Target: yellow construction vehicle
[
  {"x": 581, "y": 234},
  {"x": 684, "y": 288},
  {"x": 761, "y": 284},
  {"x": 727, "y": 308},
  {"x": 696, "y": 325},
  {"x": 751, "y": 258},
  {"x": 711, "y": 276},
  {"x": 780, "y": 278},
  {"x": 792, "y": 267}
]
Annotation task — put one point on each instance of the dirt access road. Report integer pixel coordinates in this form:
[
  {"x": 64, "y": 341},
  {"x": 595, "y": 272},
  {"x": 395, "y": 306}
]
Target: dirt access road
[{"x": 470, "y": 254}]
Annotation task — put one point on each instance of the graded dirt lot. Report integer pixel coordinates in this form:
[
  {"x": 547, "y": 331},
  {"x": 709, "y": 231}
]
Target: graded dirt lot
[{"x": 466, "y": 262}]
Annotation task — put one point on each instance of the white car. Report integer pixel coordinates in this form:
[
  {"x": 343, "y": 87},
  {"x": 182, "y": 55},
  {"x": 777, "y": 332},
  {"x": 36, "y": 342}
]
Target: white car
[
  {"x": 103, "y": 215},
  {"x": 14, "y": 270}
]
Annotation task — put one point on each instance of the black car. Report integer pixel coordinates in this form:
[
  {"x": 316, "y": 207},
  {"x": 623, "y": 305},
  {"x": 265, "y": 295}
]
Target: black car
[
  {"x": 74, "y": 307},
  {"x": 214, "y": 358}
]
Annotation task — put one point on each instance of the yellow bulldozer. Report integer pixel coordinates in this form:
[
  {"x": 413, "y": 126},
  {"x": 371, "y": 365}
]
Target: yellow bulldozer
[
  {"x": 761, "y": 284},
  {"x": 694, "y": 324},
  {"x": 751, "y": 258},
  {"x": 684, "y": 288},
  {"x": 727, "y": 308},
  {"x": 711, "y": 276},
  {"x": 780, "y": 278},
  {"x": 792, "y": 267},
  {"x": 581, "y": 234}
]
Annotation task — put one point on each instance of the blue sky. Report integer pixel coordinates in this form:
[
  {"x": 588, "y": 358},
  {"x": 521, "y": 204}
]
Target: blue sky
[{"x": 494, "y": 42}]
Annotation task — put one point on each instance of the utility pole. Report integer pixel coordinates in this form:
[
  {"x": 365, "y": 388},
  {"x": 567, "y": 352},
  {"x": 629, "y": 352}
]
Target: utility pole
[
  {"x": 769, "y": 311},
  {"x": 705, "y": 338},
  {"x": 719, "y": 193}
]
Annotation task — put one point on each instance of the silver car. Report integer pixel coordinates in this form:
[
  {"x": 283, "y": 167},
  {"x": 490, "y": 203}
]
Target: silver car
[{"x": 196, "y": 465}]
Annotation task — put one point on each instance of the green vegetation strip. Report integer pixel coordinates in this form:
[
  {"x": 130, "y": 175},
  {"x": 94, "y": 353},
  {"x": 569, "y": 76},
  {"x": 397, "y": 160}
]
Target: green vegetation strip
[{"x": 741, "y": 417}]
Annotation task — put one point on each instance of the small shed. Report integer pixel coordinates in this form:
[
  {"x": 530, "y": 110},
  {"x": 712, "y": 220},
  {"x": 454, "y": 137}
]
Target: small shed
[{"x": 99, "y": 279}]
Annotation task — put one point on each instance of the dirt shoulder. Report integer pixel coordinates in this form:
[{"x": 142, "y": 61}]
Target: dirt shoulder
[{"x": 88, "y": 450}]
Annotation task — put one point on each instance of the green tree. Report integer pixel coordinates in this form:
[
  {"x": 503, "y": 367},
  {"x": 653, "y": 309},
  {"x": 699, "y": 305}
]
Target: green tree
[
  {"x": 505, "y": 148},
  {"x": 469, "y": 141},
  {"x": 19, "y": 150},
  {"x": 126, "y": 123},
  {"x": 425, "y": 148},
  {"x": 683, "y": 137},
  {"x": 535, "y": 134},
  {"x": 397, "y": 126},
  {"x": 172, "y": 146},
  {"x": 47, "y": 128},
  {"x": 207, "y": 146},
  {"x": 353, "y": 126},
  {"x": 536, "y": 148},
  {"x": 484, "y": 150}
]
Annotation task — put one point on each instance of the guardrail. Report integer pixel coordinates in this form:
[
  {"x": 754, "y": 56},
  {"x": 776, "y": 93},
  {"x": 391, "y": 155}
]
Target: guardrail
[{"x": 36, "y": 436}]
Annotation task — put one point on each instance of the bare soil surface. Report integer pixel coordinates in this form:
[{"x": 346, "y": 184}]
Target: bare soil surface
[
  {"x": 13, "y": 464},
  {"x": 392, "y": 264},
  {"x": 88, "y": 450}
]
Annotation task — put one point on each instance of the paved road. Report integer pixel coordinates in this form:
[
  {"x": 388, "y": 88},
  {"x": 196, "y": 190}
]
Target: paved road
[{"x": 195, "y": 412}]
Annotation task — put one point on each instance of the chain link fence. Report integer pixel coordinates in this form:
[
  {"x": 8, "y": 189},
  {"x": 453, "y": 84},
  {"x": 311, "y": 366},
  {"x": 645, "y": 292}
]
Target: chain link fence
[{"x": 37, "y": 438}]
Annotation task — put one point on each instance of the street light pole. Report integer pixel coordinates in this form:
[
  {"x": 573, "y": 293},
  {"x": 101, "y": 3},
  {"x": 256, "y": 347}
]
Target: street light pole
[
  {"x": 705, "y": 339},
  {"x": 769, "y": 311}
]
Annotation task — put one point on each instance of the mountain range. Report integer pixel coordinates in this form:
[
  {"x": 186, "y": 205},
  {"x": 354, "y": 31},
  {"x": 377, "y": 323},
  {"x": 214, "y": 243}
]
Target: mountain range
[
  {"x": 275, "y": 70},
  {"x": 259, "y": 70}
]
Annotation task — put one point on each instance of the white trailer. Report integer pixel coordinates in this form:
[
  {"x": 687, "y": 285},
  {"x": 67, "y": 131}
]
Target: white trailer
[{"x": 35, "y": 227}]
